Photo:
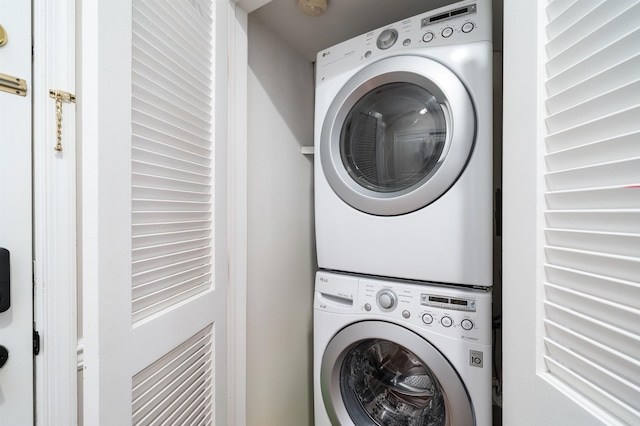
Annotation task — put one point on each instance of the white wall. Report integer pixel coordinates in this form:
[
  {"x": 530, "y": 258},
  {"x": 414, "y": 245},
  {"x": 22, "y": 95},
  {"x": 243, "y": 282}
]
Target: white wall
[{"x": 281, "y": 256}]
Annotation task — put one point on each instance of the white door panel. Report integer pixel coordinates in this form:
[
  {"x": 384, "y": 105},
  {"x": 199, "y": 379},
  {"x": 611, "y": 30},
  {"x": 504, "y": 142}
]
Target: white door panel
[
  {"x": 16, "y": 377},
  {"x": 154, "y": 212}
]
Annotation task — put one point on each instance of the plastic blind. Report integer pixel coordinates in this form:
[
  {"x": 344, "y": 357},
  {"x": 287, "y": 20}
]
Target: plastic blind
[
  {"x": 592, "y": 234},
  {"x": 172, "y": 153}
]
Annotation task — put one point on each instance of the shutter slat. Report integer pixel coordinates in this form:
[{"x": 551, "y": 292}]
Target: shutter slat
[
  {"x": 607, "y": 127},
  {"x": 166, "y": 301},
  {"x": 615, "y": 314},
  {"x": 616, "y": 338},
  {"x": 568, "y": 16},
  {"x": 147, "y": 77},
  {"x": 595, "y": 39},
  {"x": 616, "y": 221},
  {"x": 161, "y": 227},
  {"x": 619, "y": 363},
  {"x": 617, "y": 173},
  {"x": 583, "y": 26},
  {"x": 176, "y": 378},
  {"x": 142, "y": 286},
  {"x": 609, "y": 79},
  {"x": 162, "y": 238},
  {"x": 623, "y": 244},
  {"x": 148, "y": 252},
  {"x": 151, "y": 181},
  {"x": 619, "y": 267},
  {"x": 617, "y": 148},
  {"x": 614, "y": 53},
  {"x": 169, "y": 270},
  {"x": 618, "y": 387},
  {"x": 615, "y": 197},
  {"x": 619, "y": 99},
  {"x": 625, "y": 413},
  {"x": 624, "y": 292},
  {"x": 152, "y": 217},
  {"x": 168, "y": 259},
  {"x": 167, "y": 49},
  {"x": 179, "y": 119},
  {"x": 172, "y": 129},
  {"x": 170, "y": 206}
]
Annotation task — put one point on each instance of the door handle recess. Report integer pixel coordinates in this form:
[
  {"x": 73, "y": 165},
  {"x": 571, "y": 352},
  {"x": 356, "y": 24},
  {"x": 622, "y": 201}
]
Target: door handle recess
[
  {"x": 5, "y": 280},
  {"x": 4, "y": 355}
]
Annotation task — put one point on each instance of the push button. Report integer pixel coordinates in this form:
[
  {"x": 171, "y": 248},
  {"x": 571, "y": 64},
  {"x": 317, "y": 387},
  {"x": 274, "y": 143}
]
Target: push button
[
  {"x": 447, "y": 32},
  {"x": 466, "y": 324}
]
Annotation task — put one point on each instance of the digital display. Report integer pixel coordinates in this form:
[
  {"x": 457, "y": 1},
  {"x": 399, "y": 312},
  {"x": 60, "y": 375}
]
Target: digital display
[
  {"x": 459, "y": 302},
  {"x": 438, "y": 299},
  {"x": 459, "y": 11},
  {"x": 439, "y": 17}
]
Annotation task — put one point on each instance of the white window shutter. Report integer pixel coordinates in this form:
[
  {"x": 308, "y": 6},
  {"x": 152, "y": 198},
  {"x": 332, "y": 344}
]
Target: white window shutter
[{"x": 592, "y": 179}]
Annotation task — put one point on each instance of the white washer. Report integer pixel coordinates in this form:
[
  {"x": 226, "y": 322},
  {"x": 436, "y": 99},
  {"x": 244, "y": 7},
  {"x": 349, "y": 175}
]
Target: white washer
[
  {"x": 403, "y": 149},
  {"x": 392, "y": 353}
]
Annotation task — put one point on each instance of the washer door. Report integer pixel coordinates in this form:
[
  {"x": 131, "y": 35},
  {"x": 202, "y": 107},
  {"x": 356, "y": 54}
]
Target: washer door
[
  {"x": 378, "y": 373},
  {"x": 397, "y": 136}
]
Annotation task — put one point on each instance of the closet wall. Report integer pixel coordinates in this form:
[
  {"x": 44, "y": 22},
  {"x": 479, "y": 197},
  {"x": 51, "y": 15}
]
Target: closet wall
[{"x": 281, "y": 256}]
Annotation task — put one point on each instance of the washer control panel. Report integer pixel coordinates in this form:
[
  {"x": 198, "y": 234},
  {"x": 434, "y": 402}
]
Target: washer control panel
[{"x": 456, "y": 312}]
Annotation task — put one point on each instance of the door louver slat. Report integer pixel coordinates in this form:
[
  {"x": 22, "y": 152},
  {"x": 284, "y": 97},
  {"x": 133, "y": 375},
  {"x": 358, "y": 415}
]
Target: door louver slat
[{"x": 165, "y": 389}]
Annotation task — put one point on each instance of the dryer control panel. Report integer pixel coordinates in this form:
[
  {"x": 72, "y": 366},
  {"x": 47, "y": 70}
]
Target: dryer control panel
[{"x": 463, "y": 23}]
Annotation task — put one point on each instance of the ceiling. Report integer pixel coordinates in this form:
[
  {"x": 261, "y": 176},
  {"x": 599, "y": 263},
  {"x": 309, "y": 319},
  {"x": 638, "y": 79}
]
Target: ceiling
[{"x": 343, "y": 20}]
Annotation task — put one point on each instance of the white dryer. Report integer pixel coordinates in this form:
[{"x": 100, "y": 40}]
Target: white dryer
[
  {"x": 403, "y": 149},
  {"x": 396, "y": 353}
]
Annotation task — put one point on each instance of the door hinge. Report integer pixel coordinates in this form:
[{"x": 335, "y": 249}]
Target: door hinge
[{"x": 36, "y": 342}]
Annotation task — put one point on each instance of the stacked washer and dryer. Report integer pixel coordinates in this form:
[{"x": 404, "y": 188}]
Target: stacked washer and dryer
[{"x": 404, "y": 210}]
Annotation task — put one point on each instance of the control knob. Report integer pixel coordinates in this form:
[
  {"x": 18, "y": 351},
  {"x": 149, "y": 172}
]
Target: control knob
[
  {"x": 387, "y": 38},
  {"x": 386, "y": 300}
]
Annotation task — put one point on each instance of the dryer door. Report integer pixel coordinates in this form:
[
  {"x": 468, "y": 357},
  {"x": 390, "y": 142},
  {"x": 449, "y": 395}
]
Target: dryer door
[
  {"x": 397, "y": 136},
  {"x": 378, "y": 373}
]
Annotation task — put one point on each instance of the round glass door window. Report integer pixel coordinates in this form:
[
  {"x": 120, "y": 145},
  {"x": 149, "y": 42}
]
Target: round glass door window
[
  {"x": 397, "y": 135},
  {"x": 393, "y": 137},
  {"x": 383, "y": 383}
]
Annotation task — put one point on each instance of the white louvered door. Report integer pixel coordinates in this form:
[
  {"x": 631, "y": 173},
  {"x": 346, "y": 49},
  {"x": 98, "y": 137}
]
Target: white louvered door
[
  {"x": 154, "y": 212},
  {"x": 592, "y": 269},
  {"x": 572, "y": 213}
]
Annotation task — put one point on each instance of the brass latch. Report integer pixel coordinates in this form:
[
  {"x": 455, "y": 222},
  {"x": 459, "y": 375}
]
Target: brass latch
[
  {"x": 60, "y": 96},
  {"x": 11, "y": 84}
]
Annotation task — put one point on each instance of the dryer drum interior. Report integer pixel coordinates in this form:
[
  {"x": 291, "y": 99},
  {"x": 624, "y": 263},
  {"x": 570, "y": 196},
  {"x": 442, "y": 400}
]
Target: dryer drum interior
[{"x": 393, "y": 137}]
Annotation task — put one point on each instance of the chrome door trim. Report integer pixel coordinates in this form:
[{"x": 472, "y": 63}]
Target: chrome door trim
[
  {"x": 461, "y": 129},
  {"x": 458, "y": 403}
]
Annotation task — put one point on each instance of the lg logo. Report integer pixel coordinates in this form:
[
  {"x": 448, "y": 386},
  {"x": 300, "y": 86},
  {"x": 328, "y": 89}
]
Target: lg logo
[{"x": 475, "y": 359}]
